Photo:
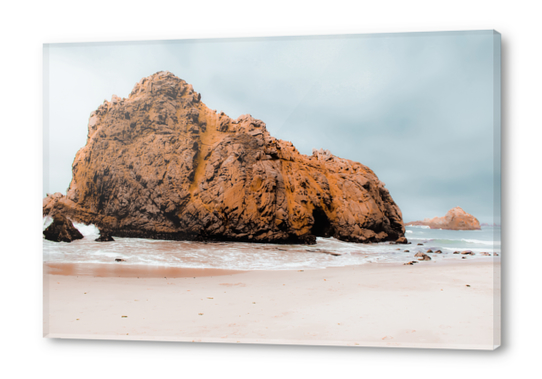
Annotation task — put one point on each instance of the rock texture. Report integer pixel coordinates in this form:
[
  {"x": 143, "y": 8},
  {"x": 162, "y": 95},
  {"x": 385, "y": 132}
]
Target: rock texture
[
  {"x": 455, "y": 219},
  {"x": 61, "y": 230},
  {"x": 161, "y": 164}
]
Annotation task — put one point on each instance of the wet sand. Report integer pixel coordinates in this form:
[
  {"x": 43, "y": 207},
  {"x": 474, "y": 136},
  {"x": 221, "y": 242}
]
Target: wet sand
[
  {"x": 429, "y": 304},
  {"x": 122, "y": 270}
]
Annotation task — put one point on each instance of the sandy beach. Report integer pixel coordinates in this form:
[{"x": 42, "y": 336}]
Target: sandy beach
[{"x": 427, "y": 305}]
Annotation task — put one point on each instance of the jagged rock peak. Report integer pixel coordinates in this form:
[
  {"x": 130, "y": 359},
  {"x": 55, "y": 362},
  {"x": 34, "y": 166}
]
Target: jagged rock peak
[{"x": 161, "y": 164}]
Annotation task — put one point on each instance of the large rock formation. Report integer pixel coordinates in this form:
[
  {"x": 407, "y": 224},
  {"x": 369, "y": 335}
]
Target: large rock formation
[
  {"x": 455, "y": 219},
  {"x": 161, "y": 164}
]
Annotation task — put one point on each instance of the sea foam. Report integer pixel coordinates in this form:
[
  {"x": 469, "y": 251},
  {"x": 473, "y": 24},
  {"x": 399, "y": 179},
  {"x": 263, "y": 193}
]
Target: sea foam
[{"x": 251, "y": 256}]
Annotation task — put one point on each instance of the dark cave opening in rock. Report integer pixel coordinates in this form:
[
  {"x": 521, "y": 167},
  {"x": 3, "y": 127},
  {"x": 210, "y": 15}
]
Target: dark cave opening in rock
[{"x": 322, "y": 225}]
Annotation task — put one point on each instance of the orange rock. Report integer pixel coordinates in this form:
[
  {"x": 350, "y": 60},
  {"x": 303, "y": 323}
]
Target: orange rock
[
  {"x": 455, "y": 219},
  {"x": 161, "y": 164}
]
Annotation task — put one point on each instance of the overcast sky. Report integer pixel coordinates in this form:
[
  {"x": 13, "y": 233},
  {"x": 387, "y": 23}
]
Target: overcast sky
[{"x": 417, "y": 108}]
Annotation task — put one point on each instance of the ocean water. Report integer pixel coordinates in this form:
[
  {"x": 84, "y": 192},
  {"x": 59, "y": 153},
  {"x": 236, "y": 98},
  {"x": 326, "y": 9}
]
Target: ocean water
[{"x": 250, "y": 256}]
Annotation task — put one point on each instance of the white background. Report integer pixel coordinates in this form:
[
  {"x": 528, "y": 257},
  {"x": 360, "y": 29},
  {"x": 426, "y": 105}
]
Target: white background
[{"x": 26, "y": 26}]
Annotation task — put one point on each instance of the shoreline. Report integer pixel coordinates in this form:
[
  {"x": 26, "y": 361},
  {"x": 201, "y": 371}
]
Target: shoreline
[
  {"x": 126, "y": 270},
  {"x": 431, "y": 304}
]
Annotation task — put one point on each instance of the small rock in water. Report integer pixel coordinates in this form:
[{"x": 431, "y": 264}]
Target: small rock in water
[
  {"x": 330, "y": 253},
  {"x": 485, "y": 254},
  {"x": 410, "y": 263},
  {"x": 429, "y": 251},
  {"x": 407, "y": 251},
  {"x": 438, "y": 252},
  {"x": 104, "y": 239},
  {"x": 495, "y": 254},
  {"x": 62, "y": 230},
  {"x": 105, "y": 236},
  {"x": 401, "y": 240},
  {"x": 456, "y": 252},
  {"x": 422, "y": 257},
  {"x": 467, "y": 252},
  {"x": 420, "y": 244},
  {"x": 119, "y": 260}
]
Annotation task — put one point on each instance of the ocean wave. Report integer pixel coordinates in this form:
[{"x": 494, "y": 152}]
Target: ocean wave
[
  {"x": 46, "y": 222},
  {"x": 418, "y": 226},
  {"x": 481, "y": 242},
  {"x": 454, "y": 242},
  {"x": 87, "y": 230}
]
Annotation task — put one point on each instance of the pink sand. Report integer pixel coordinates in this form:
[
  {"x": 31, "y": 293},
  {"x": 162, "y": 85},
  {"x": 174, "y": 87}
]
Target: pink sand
[{"x": 425, "y": 305}]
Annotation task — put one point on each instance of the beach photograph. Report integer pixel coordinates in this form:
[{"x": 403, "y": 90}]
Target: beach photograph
[{"x": 330, "y": 190}]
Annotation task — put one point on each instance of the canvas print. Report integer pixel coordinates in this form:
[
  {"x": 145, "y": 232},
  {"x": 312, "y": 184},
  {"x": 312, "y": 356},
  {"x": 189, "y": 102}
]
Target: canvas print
[{"x": 319, "y": 190}]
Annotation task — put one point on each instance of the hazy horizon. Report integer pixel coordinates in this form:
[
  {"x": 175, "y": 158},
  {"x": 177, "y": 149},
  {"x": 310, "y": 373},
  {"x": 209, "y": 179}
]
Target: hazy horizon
[{"x": 417, "y": 108}]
